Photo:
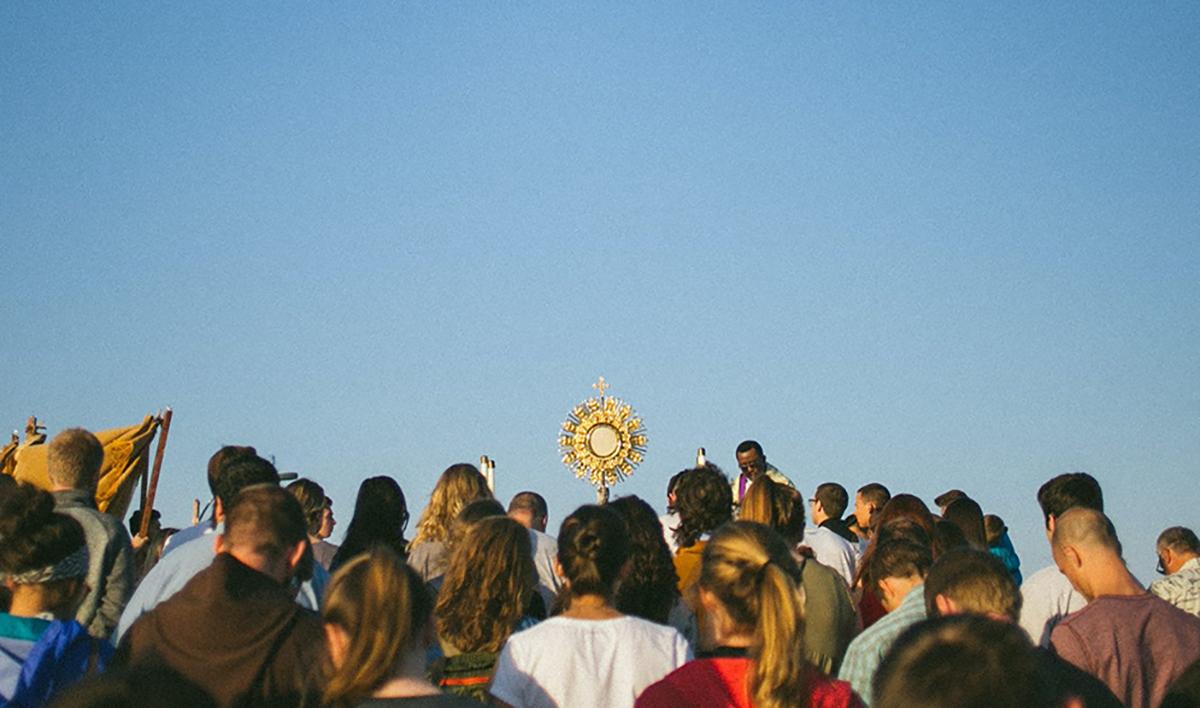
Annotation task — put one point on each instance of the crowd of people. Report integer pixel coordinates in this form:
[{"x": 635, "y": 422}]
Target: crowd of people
[{"x": 745, "y": 593}]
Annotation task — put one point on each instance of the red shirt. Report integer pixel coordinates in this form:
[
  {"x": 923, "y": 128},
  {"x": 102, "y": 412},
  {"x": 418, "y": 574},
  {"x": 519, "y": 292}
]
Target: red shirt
[{"x": 724, "y": 682}]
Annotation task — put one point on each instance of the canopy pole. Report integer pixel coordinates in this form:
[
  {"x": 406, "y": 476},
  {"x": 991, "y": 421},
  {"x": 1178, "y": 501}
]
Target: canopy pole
[{"x": 148, "y": 500}]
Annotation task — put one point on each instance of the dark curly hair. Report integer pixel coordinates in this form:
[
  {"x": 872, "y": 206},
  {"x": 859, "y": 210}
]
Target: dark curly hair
[
  {"x": 32, "y": 535},
  {"x": 704, "y": 501},
  {"x": 649, "y": 590}
]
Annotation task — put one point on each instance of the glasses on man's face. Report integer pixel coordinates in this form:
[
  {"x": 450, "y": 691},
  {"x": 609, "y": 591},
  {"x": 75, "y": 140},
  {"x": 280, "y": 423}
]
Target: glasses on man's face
[{"x": 1160, "y": 568}]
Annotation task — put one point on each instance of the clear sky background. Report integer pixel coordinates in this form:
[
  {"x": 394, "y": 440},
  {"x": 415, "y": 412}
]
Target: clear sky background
[{"x": 933, "y": 244}]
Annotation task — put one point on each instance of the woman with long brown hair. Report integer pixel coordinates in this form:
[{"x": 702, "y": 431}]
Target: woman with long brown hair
[
  {"x": 377, "y": 619},
  {"x": 752, "y": 628},
  {"x": 482, "y": 600}
]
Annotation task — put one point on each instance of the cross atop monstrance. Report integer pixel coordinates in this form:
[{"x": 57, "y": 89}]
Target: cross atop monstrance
[{"x": 602, "y": 439}]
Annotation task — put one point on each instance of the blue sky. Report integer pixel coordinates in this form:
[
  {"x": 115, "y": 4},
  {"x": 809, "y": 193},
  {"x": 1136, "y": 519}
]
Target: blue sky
[{"x": 932, "y": 245}]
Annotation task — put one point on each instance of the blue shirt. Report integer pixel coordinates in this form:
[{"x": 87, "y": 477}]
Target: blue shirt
[
  {"x": 173, "y": 571},
  {"x": 866, "y": 651}
]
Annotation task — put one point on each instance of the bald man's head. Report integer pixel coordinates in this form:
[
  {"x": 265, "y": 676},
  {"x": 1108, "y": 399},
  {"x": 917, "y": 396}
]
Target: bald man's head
[{"x": 1085, "y": 529}]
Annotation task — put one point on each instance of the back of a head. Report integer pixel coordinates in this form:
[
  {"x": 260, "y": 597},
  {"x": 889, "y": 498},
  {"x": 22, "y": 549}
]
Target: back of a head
[
  {"x": 240, "y": 471},
  {"x": 459, "y": 485},
  {"x": 960, "y": 661},
  {"x": 222, "y": 457},
  {"x": 1179, "y": 539},
  {"x": 380, "y": 509},
  {"x": 264, "y": 519},
  {"x": 976, "y": 581},
  {"x": 704, "y": 501},
  {"x": 946, "y": 498},
  {"x": 467, "y": 516},
  {"x": 312, "y": 501},
  {"x": 383, "y": 607},
  {"x": 833, "y": 498},
  {"x": 73, "y": 459},
  {"x": 650, "y": 588},
  {"x": 751, "y": 571},
  {"x": 1068, "y": 491},
  {"x": 145, "y": 685},
  {"x": 1087, "y": 529},
  {"x": 531, "y": 502},
  {"x": 776, "y": 506},
  {"x": 38, "y": 545},
  {"x": 966, "y": 514},
  {"x": 488, "y": 582},
  {"x": 899, "y": 558},
  {"x": 592, "y": 548},
  {"x": 994, "y": 527}
]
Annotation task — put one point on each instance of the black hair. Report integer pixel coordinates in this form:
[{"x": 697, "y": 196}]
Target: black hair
[
  {"x": 833, "y": 498},
  {"x": 650, "y": 589},
  {"x": 1067, "y": 491},
  {"x": 32, "y": 535},
  {"x": 380, "y": 517},
  {"x": 240, "y": 471},
  {"x": 748, "y": 445}
]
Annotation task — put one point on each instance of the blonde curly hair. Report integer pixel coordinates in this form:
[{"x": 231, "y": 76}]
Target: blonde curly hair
[{"x": 458, "y": 486}]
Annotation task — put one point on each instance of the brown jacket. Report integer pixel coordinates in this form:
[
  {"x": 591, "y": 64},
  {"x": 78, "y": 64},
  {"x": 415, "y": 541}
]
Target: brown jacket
[{"x": 238, "y": 634}]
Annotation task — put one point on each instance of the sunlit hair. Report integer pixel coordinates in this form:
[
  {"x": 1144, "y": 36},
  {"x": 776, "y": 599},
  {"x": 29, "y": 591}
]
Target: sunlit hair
[
  {"x": 312, "y": 500},
  {"x": 475, "y": 511},
  {"x": 592, "y": 547},
  {"x": 774, "y": 505},
  {"x": 751, "y": 571},
  {"x": 458, "y": 486},
  {"x": 650, "y": 588},
  {"x": 487, "y": 585},
  {"x": 976, "y": 581},
  {"x": 74, "y": 458},
  {"x": 383, "y": 607}
]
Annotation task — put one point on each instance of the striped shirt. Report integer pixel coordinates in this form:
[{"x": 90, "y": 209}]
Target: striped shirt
[
  {"x": 867, "y": 650},
  {"x": 1181, "y": 588}
]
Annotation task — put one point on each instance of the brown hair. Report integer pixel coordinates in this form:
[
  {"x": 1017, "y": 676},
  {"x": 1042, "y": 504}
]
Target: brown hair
[
  {"x": 382, "y": 606},
  {"x": 592, "y": 547},
  {"x": 266, "y": 519},
  {"x": 976, "y": 581},
  {"x": 776, "y": 506},
  {"x": 751, "y": 571},
  {"x": 966, "y": 514},
  {"x": 487, "y": 585},
  {"x": 458, "y": 486},
  {"x": 312, "y": 501},
  {"x": 73, "y": 459}
]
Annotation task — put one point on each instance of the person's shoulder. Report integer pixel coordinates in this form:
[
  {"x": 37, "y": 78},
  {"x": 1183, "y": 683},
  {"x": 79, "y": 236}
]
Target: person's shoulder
[{"x": 829, "y": 692}]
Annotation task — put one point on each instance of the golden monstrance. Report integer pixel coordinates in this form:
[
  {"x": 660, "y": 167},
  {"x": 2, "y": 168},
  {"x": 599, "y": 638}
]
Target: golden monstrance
[{"x": 602, "y": 439}]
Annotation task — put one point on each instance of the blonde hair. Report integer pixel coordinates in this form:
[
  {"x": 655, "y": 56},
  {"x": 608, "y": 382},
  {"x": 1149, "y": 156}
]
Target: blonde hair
[
  {"x": 487, "y": 585},
  {"x": 458, "y": 486},
  {"x": 776, "y": 506},
  {"x": 750, "y": 570},
  {"x": 382, "y": 606}
]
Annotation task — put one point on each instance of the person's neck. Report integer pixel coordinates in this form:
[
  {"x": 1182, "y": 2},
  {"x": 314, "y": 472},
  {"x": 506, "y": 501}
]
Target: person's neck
[
  {"x": 591, "y": 607},
  {"x": 1114, "y": 580},
  {"x": 314, "y": 540},
  {"x": 29, "y": 601},
  {"x": 820, "y": 519},
  {"x": 408, "y": 678}
]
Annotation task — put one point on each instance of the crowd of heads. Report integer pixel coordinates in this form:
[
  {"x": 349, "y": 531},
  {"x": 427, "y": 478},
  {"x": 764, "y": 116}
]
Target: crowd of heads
[{"x": 470, "y": 576}]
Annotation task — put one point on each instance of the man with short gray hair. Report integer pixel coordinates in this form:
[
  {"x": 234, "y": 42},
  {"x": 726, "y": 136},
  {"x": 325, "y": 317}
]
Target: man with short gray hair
[
  {"x": 73, "y": 461},
  {"x": 1178, "y": 552}
]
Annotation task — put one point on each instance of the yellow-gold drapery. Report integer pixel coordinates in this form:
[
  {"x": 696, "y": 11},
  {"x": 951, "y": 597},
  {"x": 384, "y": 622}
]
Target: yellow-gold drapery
[{"x": 126, "y": 458}]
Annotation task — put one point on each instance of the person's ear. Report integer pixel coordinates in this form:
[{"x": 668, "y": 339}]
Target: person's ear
[
  {"x": 945, "y": 606},
  {"x": 296, "y": 554},
  {"x": 218, "y": 510},
  {"x": 1050, "y": 526},
  {"x": 338, "y": 642},
  {"x": 558, "y": 570}
]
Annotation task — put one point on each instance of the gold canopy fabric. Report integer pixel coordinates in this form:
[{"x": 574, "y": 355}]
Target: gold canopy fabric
[{"x": 126, "y": 457}]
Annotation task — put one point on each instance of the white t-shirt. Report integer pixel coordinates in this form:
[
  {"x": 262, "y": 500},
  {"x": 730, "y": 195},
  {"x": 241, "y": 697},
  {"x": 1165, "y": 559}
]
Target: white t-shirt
[
  {"x": 580, "y": 663},
  {"x": 1047, "y": 597},
  {"x": 832, "y": 550},
  {"x": 545, "y": 550}
]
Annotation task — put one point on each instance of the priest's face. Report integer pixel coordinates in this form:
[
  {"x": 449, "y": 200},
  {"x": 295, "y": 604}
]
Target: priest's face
[{"x": 751, "y": 463}]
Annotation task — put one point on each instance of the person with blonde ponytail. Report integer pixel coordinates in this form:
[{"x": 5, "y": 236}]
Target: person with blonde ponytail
[
  {"x": 378, "y": 623},
  {"x": 591, "y": 654},
  {"x": 752, "y": 627}
]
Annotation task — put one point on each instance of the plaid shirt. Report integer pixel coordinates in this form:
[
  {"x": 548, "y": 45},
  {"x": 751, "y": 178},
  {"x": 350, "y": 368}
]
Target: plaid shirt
[
  {"x": 1181, "y": 588},
  {"x": 867, "y": 649}
]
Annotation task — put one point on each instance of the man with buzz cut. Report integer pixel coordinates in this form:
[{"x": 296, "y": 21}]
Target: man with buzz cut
[
  {"x": 753, "y": 464},
  {"x": 1133, "y": 641},
  {"x": 529, "y": 510},
  {"x": 73, "y": 461}
]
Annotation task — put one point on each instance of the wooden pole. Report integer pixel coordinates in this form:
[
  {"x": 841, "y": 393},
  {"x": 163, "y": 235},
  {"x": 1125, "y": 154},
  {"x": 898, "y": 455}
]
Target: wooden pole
[{"x": 164, "y": 427}]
